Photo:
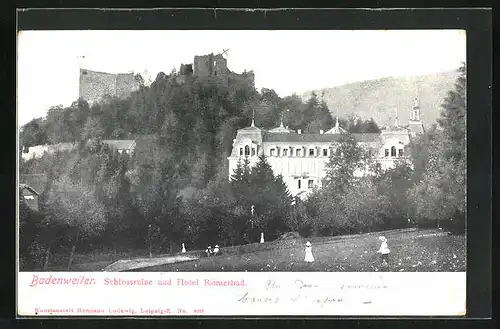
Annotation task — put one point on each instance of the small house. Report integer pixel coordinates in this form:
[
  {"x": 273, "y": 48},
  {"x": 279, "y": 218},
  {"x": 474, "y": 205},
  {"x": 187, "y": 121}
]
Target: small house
[{"x": 29, "y": 195}]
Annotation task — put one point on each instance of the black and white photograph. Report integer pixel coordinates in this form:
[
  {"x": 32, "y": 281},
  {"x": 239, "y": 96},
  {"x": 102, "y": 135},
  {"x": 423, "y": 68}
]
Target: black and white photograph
[{"x": 242, "y": 151}]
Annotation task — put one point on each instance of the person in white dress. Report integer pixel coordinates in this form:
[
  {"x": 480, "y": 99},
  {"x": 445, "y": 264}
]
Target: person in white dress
[
  {"x": 183, "y": 248},
  {"x": 216, "y": 250},
  {"x": 384, "y": 250},
  {"x": 262, "y": 237},
  {"x": 309, "y": 256}
]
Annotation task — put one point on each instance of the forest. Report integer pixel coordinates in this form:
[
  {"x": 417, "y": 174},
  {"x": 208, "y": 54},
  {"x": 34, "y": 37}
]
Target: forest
[{"x": 175, "y": 189}]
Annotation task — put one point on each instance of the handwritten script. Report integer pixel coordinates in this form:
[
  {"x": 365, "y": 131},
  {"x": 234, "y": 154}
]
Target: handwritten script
[{"x": 302, "y": 291}]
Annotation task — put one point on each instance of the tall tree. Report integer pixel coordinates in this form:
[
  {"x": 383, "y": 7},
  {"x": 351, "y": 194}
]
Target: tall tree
[
  {"x": 75, "y": 205},
  {"x": 453, "y": 118},
  {"x": 348, "y": 158},
  {"x": 270, "y": 197},
  {"x": 441, "y": 192}
]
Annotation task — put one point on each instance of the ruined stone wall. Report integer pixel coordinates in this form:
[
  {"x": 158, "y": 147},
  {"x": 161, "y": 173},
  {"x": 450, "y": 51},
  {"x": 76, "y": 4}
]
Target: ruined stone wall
[
  {"x": 210, "y": 65},
  {"x": 125, "y": 84},
  {"x": 95, "y": 85},
  {"x": 246, "y": 78}
]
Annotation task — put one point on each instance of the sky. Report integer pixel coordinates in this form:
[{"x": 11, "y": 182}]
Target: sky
[{"x": 286, "y": 61}]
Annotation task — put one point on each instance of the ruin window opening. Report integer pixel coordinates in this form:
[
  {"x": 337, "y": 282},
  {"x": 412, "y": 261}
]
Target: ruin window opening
[
  {"x": 285, "y": 152},
  {"x": 401, "y": 152},
  {"x": 298, "y": 183},
  {"x": 247, "y": 150},
  {"x": 386, "y": 153},
  {"x": 241, "y": 150},
  {"x": 325, "y": 152},
  {"x": 253, "y": 151},
  {"x": 271, "y": 152},
  {"x": 393, "y": 151},
  {"x": 311, "y": 152},
  {"x": 310, "y": 183}
]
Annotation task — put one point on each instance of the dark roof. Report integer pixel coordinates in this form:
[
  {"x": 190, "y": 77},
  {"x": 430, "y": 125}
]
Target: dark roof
[
  {"x": 121, "y": 144},
  {"x": 251, "y": 128},
  {"x": 29, "y": 188},
  {"x": 395, "y": 129},
  {"x": 416, "y": 128},
  {"x": 325, "y": 138}
]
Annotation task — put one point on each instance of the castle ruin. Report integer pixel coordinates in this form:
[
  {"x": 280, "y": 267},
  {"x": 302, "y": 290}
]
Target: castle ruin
[
  {"x": 96, "y": 85},
  {"x": 215, "y": 66}
]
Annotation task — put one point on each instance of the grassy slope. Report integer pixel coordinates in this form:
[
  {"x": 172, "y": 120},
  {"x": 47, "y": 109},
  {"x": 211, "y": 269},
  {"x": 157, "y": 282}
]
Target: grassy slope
[
  {"x": 420, "y": 250},
  {"x": 381, "y": 97}
]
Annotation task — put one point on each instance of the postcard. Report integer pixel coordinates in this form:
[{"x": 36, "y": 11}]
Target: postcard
[{"x": 245, "y": 172}]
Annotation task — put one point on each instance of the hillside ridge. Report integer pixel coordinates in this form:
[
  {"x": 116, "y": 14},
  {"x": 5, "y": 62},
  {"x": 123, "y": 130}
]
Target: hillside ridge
[{"x": 382, "y": 98}]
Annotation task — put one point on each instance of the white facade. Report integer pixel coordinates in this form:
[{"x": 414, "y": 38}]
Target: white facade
[{"x": 301, "y": 158}]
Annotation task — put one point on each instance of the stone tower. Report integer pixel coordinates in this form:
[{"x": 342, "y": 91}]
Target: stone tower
[
  {"x": 415, "y": 123},
  {"x": 210, "y": 65}
]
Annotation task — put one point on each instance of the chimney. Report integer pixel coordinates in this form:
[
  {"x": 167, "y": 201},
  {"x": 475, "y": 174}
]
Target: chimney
[
  {"x": 321, "y": 131},
  {"x": 299, "y": 131}
]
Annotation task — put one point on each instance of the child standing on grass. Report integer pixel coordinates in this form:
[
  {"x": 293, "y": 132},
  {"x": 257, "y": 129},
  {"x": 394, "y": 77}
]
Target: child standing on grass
[
  {"x": 384, "y": 250},
  {"x": 309, "y": 256}
]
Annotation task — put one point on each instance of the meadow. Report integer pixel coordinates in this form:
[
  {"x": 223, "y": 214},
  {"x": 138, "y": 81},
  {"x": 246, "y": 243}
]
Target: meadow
[{"x": 411, "y": 251}]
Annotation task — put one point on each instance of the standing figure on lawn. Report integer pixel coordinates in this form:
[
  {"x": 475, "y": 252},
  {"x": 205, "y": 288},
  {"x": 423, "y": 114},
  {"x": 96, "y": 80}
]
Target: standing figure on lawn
[
  {"x": 384, "y": 250},
  {"x": 209, "y": 251},
  {"x": 183, "y": 248},
  {"x": 262, "y": 237},
  {"x": 309, "y": 255},
  {"x": 216, "y": 250}
]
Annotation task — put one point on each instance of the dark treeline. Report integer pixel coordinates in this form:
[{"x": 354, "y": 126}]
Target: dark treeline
[{"x": 175, "y": 189}]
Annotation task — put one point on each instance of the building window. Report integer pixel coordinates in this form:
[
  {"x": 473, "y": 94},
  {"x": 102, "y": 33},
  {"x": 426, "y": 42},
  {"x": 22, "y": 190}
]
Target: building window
[
  {"x": 241, "y": 150},
  {"x": 298, "y": 152},
  {"x": 400, "y": 152},
  {"x": 285, "y": 152},
  {"x": 271, "y": 152},
  {"x": 278, "y": 151},
  {"x": 298, "y": 184},
  {"x": 393, "y": 151},
  {"x": 325, "y": 152},
  {"x": 311, "y": 152},
  {"x": 247, "y": 150},
  {"x": 386, "y": 153},
  {"x": 310, "y": 183},
  {"x": 253, "y": 151}
]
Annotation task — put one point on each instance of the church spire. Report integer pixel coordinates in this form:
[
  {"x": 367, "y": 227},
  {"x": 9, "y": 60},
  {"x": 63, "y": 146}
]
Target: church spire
[
  {"x": 416, "y": 111},
  {"x": 337, "y": 119}
]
